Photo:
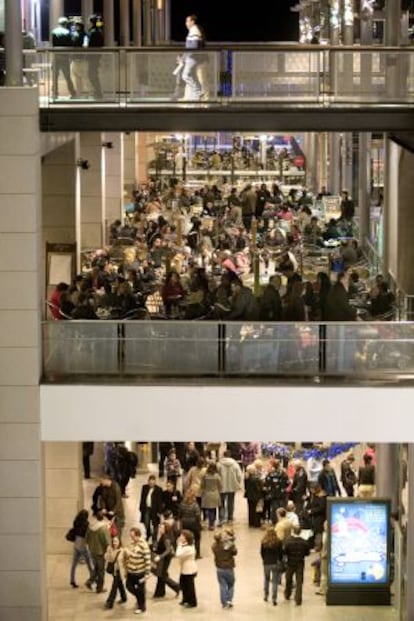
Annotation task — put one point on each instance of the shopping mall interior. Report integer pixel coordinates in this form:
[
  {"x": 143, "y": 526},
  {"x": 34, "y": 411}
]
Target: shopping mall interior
[{"x": 207, "y": 246}]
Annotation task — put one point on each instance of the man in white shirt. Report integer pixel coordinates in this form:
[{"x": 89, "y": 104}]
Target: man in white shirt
[{"x": 194, "y": 41}]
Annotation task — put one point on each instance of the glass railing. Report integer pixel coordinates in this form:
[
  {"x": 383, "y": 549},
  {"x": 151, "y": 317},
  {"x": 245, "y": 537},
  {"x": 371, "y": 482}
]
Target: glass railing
[
  {"x": 319, "y": 75},
  {"x": 82, "y": 349}
]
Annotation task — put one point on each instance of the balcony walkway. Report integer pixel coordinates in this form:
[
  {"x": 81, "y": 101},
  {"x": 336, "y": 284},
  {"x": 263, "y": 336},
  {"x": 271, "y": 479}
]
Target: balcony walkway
[{"x": 292, "y": 88}]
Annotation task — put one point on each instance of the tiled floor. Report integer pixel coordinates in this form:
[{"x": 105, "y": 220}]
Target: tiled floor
[{"x": 67, "y": 604}]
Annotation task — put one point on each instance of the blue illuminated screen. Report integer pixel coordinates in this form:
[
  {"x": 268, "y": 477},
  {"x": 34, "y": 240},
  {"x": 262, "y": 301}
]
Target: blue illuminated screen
[{"x": 358, "y": 543}]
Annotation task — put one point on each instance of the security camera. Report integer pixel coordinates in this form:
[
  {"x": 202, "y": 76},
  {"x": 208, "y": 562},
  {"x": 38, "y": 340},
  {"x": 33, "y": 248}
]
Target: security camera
[
  {"x": 84, "y": 164},
  {"x": 108, "y": 145}
]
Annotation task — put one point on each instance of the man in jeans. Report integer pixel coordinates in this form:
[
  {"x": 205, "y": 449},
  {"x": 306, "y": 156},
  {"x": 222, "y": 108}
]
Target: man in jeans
[
  {"x": 98, "y": 539},
  {"x": 296, "y": 549},
  {"x": 231, "y": 481},
  {"x": 138, "y": 567}
]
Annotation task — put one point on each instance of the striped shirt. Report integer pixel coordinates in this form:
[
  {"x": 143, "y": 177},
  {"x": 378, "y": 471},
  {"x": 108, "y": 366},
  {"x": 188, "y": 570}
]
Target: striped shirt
[{"x": 138, "y": 558}]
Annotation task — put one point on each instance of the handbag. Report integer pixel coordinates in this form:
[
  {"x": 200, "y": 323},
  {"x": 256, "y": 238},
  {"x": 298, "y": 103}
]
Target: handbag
[
  {"x": 70, "y": 535},
  {"x": 110, "y": 566}
]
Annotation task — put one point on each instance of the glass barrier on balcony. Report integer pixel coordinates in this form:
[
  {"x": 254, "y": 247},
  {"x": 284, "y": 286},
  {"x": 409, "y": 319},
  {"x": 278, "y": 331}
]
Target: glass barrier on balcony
[
  {"x": 289, "y": 75},
  {"x": 161, "y": 76},
  {"x": 193, "y": 349},
  {"x": 135, "y": 76}
]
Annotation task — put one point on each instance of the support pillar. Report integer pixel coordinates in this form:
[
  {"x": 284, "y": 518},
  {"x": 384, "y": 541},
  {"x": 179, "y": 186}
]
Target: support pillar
[
  {"x": 167, "y": 21},
  {"x": 109, "y": 23},
  {"x": 409, "y": 569},
  {"x": 63, "y": 492},
  {"x": 130, "y": 162},
  {"x": 310, "y": 149},
  {"x": 14, "y": 43},
  {"x": 137, "y": 23},
  {"x": 148, "y": 38},
  {"x": 405, "y": 249},
  {"x": 387, "y": 472},
  {"x": 388, "y": 248},
  {"x": 364, "y": 198},
  {"x": 91, "y": 190},
  {"x": 334, "y": 148},
  {"x": 124, "y": 22},
  {"x": 56, "y": 10},
  {"x": 142, "y": 156},
  {"x": 22, "y": 571},
  {"x": 346, "y": 161},
  {"x": 113, "y": 178},
  {"x": 87, "y": 11}
]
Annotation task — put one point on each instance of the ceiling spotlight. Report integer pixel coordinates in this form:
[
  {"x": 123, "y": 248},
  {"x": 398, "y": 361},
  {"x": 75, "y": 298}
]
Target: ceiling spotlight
[
  {"x": 108, "y": 145},
  {"x": 84, "y": 164}
]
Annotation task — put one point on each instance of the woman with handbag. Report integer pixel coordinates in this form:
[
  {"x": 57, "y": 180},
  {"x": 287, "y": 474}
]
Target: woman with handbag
[
  {"x": 163, "y": 553},
  {"x": 115, "y": 566},
  {"x": 271, "y": 551},
  {"x": 80, "y": 549}
]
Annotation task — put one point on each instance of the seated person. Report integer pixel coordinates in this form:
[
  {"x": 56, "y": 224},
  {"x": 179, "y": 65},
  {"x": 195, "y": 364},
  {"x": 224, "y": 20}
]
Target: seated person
[
  {"x": 384, "y": 302},
  {"x": 83, "y": 308}
]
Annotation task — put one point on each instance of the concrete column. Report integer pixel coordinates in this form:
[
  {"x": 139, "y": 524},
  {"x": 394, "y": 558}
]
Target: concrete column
[
  {"x": 310, "y": 149},
  {"x": 346, "y": 161},
  {"x": 124, "y": 23},
  {"x": 334, "y": 149},
  {"x": 63, "y": 492},
  {"x": 387, "y": 472},
  {"x": 130, "y": 162},
  {"x": 405, "y": 249},
  {"x": 390, "y": 211},
  {"x": 142, "y": 156},
  {"x": 109, "y": 23},
  {"x": 167, "y": 23},
  {"x": 14, "y": 43},
  {"x": 137, "y": 23},
  {"x": 56, "y": 10},
  {"x": 148, "y": 38},
  {"x": 364, "y": 198},
  {"x": 91, "y": 190},
  {"x": 87, "y": 11},
  {"x": 113, "y": 176},
  {"x": 58, "y": 195},
  {"x": 21, "y": 532},
  {"x": 409, "y": 569},
  {"x": 392, "y": 22}
]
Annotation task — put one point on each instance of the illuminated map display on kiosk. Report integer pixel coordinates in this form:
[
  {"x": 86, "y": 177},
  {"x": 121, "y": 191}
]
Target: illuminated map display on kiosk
[{"x": 359, "y": 536}]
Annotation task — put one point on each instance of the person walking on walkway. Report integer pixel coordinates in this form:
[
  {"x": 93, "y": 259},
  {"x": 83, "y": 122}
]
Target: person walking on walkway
[
  {"x": 271, "y": 551},
  {"x": 296, "y": 549},
  {"x": 61, "y": 37},
  {"x": 138, "y": 568},
  {"x": 185, "y": 555},
  {"x": 224, "y": 550}
]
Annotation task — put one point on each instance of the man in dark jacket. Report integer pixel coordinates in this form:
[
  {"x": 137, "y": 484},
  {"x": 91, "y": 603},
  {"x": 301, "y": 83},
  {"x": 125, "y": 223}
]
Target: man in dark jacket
[
  {"x": 61, "y": 37},
  {"x": 337, "y": 303},
  {"x": 150, "y": 506},
  {"x": 296, "y": 549},
  {"x": 111, "y": 502},
  {"x": 299, "y": 486},
  {"x": 271, "y": 303},
  {"x": 243, "y": 305},
  {"x": 327, "y": 479},
  {"x": 96, "y": 39},
  {"x": 275, "y": 487}
]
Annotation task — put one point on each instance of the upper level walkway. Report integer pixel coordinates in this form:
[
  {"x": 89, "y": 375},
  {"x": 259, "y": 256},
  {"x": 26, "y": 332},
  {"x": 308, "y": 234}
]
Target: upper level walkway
[{"x": 247, "y": 88}]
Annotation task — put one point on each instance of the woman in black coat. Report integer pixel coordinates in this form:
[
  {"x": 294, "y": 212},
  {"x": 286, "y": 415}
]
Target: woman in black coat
[
  {"x": 316, "y": 510},
  {"x": 163, "y": 553}
]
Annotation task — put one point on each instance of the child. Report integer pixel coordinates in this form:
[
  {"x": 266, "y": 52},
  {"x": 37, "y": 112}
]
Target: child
[{"x": 115, "y": 558}]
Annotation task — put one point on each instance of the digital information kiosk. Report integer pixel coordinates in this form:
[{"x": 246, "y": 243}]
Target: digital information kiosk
[{"x": 358, "y": 552}]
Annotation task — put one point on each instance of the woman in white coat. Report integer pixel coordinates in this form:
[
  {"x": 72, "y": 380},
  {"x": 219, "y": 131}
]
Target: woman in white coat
[{"x": 186, "y": 554}]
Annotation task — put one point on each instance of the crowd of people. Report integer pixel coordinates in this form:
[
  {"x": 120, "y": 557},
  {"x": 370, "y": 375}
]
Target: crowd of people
[
  {"x": 200, "y": 254},
  {"x": 286, "y": 496},
  {"x": 80, "y": 72}
]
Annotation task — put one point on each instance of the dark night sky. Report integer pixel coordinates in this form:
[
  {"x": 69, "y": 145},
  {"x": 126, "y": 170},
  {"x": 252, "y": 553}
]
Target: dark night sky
[
  {"x": 226, "y": 20},
  {"x": 261, "y": 20}
]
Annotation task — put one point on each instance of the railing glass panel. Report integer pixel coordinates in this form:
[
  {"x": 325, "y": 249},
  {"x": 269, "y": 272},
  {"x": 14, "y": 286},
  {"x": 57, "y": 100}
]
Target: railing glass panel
[
  {"x": 277, "y": 75},
  {"x": 135, "y": 76},
  {"x": 80, "y": 348},
  {"x": 182, "y": 349},
  {"x": 170, "y": 348}
]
